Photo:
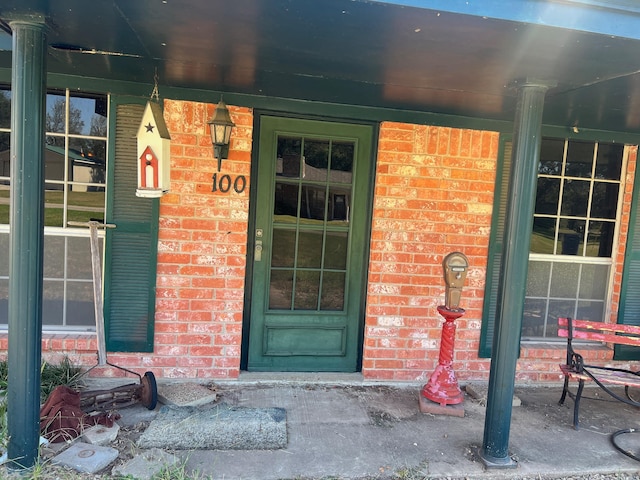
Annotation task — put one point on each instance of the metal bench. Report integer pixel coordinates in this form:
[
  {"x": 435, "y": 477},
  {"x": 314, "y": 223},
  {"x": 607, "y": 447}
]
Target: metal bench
[{"x": 576, "y": 369}]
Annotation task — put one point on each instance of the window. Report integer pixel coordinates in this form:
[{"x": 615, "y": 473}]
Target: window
[
  {"x": 75, "y": 160},
  {"x": 576, "y": 219},
  {"x": 574, "y": 227}
]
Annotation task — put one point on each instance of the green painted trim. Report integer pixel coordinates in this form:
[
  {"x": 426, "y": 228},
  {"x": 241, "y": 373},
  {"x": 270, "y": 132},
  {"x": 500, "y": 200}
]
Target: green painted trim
[
  {"x": 321, "y": 109},
  {"x": 256, "y": 287},
  {"x": 629, "y": 292},
  {"x": 495, "y": 250},
  {"x": 591, "y": 135},
  {"x": 130, "y": 227}
]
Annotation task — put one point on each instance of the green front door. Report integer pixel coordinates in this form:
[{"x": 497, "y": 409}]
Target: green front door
[{"x": 311, "y": 237}]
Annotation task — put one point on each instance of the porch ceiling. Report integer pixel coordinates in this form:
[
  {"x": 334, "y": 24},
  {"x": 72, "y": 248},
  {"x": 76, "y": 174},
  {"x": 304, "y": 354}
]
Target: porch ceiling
[{"x": 392, "y": 55}]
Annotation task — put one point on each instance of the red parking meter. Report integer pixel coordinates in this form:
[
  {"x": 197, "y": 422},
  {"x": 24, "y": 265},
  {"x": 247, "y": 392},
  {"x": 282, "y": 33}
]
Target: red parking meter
[{"x": 442, "y": 387}]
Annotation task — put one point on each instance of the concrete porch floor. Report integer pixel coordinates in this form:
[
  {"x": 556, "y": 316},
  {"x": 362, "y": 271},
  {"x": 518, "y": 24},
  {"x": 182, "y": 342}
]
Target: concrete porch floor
[{"x": 340, "y": 427}]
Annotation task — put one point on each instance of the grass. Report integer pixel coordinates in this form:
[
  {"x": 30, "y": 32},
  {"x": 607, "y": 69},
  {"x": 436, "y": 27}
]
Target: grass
[{"x": 51, "y": 376}]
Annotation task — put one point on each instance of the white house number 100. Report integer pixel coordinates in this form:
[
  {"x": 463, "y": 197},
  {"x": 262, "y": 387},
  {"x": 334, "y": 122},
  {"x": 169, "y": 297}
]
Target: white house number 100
[{"x": 224, "y": 183}]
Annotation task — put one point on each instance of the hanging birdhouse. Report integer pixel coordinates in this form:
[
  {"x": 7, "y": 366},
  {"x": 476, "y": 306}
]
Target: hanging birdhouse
[{"x": 154, "y": 160}]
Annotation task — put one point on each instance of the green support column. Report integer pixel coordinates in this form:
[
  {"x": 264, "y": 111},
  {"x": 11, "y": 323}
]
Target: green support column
[
  {"x": 28, "y": 100},
  {"x": 513, "y": 273}
]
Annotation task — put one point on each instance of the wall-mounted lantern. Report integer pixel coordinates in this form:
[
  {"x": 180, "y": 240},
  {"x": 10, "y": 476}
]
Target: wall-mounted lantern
[
  {"x": 154, "y": 159},
  {"x": 220, "y": 127}
]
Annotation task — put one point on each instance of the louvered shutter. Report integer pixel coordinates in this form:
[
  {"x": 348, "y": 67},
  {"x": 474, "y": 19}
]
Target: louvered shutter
[
  {"x": 131, "y": 248},
  {"x": 629, "y": 309},
  {"x": 496, "y": 244}
]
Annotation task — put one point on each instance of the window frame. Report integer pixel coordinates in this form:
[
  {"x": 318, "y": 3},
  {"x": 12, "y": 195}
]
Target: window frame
[
  {"x": 65, "y": 231},
  {"x": 580, "y": 258},
  {"x": 496, "y": 241}
]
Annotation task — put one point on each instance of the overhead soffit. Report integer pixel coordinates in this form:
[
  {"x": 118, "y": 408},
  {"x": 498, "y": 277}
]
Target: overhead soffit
[{"x": 391, "y": 55}]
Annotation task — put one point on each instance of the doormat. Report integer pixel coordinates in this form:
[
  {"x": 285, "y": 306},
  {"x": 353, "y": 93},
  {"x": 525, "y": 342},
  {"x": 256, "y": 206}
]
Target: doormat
[{"x": 220, "y": 427}]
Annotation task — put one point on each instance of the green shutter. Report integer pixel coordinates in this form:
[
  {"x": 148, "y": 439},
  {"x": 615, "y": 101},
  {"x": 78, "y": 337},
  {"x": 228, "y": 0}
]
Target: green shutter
[
  {"x": 629, "y": 309},
  {"x": 496, "y": 242},
  {"x": 131, "y": 248}
]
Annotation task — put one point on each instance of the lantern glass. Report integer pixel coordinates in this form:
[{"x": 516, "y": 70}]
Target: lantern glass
[
  {"x": 220, "y": 134},
  {"x": 221, "y": 125}
]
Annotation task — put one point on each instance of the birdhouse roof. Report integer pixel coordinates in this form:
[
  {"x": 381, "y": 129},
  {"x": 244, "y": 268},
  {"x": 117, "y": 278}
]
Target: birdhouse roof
[{"x": 153, "y": 113}]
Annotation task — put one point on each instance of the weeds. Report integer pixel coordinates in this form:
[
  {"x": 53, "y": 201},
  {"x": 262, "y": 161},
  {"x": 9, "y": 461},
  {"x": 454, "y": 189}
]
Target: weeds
[
  {"x": 178, "y": 472},
  {"x": 51, "y": 376}
]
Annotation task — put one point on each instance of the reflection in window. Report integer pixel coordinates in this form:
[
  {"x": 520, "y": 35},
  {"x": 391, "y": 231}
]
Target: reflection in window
[
  {"x": 75, "y": 161},
  {"x": 574, "y": 224},
  {"x": 311, "y": 210}
]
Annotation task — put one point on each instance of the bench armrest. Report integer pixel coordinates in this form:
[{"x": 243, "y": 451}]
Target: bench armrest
[{"x": 576, "y": 362}]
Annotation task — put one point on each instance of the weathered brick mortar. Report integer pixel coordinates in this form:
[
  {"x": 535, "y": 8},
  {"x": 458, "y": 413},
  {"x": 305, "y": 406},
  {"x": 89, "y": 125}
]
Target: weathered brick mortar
[{"x": 433, "y": 195}]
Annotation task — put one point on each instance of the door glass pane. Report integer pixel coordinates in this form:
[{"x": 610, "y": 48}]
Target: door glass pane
[
  {"x": 342, "y": 154},
  {"x": 313, "y": 202},
  {"x": 332, "y": 298},
  {"x": 284, "y": 248},
  {"x": 286, "y": 202},
  {"x": 280, "y": 289},
  {"x": 609, "y": 161},
  {"x": 315, "y": 199},
  {"x": 335, "y": 256},
  {"x": 575, "y": 198},
  {"x": 307, "y": 289},
  {"x": 579, "y": 159},
  {"x": 316, "y": 160},
  {"x": 289, "y": 156},
  {"x": 339, "y": 205},
  {"x": 310, "y": 249}
]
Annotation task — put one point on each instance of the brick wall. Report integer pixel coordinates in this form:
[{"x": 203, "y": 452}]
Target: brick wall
[
  {"x": 201, "y": 252},
  {"x": 433, "y": 195}
]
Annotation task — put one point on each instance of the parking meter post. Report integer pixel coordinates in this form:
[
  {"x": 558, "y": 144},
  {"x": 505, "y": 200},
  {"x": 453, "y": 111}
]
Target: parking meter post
[{"x": 442, "y": 387}]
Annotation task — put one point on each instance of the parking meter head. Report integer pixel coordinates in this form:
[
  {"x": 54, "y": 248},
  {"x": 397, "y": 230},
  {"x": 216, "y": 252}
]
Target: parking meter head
[{"x": 455, "y": 266}]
